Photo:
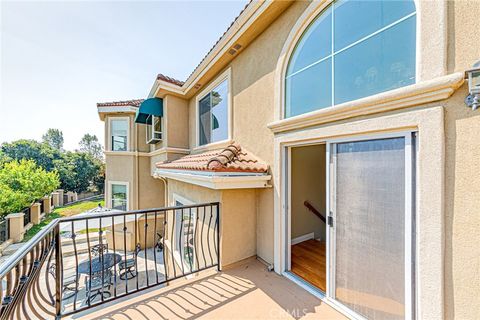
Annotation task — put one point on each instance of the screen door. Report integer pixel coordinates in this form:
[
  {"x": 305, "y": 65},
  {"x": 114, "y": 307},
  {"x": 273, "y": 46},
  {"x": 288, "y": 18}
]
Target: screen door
[{"x": 371, "y": 226}]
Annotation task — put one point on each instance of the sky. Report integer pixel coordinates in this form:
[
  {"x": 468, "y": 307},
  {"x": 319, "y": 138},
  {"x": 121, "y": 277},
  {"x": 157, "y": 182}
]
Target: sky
[{"x": 59, "y": 58}]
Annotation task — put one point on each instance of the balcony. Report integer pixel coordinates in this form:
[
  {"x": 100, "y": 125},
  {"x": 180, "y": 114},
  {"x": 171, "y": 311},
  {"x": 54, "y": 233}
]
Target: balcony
[{"x": 159, "y": 263}]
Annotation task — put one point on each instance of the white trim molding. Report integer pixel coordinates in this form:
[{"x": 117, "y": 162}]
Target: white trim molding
[
  {"x": 431, "y": 46},
  {"x": 108, "y": 203},
  {"x": 305, "y": 237},
  {"x": 216, "y": 180},
  {"x": 226, "y": 75},
  {"x": 126, "y": 153},
  {"x": 430, "y": 176},
  {"x": 103, "y": 111},
  {"x": 176, "y": 197},
  {"x": 421, "y": 93},
  {"x": 109, "y": 133},
  {"x": 168, "y": 150}
]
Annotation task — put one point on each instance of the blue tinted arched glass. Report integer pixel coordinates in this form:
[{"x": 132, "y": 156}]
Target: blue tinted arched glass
[{"x": 354, "y": 49}]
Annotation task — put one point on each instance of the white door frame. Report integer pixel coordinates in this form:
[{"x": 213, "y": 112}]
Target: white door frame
[{"x": 330, "y": 202}]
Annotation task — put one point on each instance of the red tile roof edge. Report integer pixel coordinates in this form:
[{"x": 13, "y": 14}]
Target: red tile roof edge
[
  {"x": 229, "y": 159},
  {"x": 170, "y": 80},
  {"x": 124, "y": 103}
]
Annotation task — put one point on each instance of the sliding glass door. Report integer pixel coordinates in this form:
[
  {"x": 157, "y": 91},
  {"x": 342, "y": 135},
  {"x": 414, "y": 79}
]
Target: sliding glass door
[{"x": 370, "y": 247}]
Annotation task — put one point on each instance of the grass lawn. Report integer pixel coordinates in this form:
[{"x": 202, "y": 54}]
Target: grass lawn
[
  {"x": 77, "y": 208},
  {"x": 62, "y": 212}
]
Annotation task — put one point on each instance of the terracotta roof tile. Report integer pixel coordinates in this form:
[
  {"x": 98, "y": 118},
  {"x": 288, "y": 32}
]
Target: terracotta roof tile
[
  {"x": 170, "y": 80},
  {"x": 126, "y": 103},
  {"x": 229, "y": 159}
]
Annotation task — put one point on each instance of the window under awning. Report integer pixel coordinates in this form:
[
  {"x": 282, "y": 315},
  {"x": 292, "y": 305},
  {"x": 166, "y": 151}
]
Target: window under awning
[{"x": 149, "y": 107}]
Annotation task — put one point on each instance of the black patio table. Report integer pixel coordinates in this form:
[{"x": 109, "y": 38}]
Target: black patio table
[{"x": 109, "y": 260}]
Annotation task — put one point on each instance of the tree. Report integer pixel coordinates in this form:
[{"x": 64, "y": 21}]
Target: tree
[
  {"x": 22, "y": 182},
  {"x": 89, "y": 144},
  {"x": 78, "y": 171},
  {"x": 4, "y": 159},
  {"x": 43, "y": 154},
  {"x": 54, "y": 138}
]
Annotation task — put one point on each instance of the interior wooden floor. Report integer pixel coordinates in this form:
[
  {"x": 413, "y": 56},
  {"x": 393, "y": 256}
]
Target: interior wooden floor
[{"x": 309, "y": 262}]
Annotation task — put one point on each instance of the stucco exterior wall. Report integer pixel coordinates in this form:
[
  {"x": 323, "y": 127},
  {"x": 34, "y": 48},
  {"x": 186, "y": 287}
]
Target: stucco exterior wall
[
  {"x": 120, "y": 168},
  {"x": 463, "y": 35},
  {"x": 177, "y": 122},
  {"x": 151, "y": 191},
  {"x": 462, "y": 211},
  {"x": 237, "y": 217},
  {"x": 141, "y": 137},
  {"x": 253, "y": 108},
  {"x": 253, "y": 86}
]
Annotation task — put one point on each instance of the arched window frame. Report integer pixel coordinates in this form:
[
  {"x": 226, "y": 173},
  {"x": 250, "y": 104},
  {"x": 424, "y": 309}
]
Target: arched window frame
[
  {"x": 431, "y": 48},
  {"x": 330, "y": 52}
]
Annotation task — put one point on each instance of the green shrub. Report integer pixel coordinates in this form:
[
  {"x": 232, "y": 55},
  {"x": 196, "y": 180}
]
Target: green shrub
[{"x": 22, "y": 182}]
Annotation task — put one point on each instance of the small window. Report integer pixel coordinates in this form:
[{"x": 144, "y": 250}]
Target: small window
[
  {"x": 119, "y": 134},
  {"x": 213, "y": 115},
  {"x": 154, "y": 129},
  {"x": 119, "y": 197}
]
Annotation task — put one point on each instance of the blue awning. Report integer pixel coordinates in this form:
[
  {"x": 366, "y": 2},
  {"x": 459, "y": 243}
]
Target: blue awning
[{"x": 152, "y": 106}]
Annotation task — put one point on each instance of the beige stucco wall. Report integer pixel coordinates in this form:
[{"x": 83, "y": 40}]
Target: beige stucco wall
[
  {"x": 151, "y": 191},
  {"x": 237, "y": 217},
  {"x": 144, "y": 190},
  {"x": 308, "y": 178},
  {"x": 141, "y": 137},
  {"x": 462, "y": 211},
  {"x": 253, "y": 84},
  {"x": 463, "y": 35},
  {"x": 120, "y": 168},
  {"x": 253, "y": 108},
  {"x": 177, "y": 121}
]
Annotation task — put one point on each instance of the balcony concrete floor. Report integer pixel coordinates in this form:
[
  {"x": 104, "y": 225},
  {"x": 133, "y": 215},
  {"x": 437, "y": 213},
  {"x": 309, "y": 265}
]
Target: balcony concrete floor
[{"x": 244, "y": 291}]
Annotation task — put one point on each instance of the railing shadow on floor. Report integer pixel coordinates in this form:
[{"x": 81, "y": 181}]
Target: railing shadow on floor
[
  {"x": 77, "y": 263},
  {"x": 188, "y": 301}
]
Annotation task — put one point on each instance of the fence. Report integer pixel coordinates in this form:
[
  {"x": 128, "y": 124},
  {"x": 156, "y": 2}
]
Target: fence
[
  {"x": 27, "y": 217},
  {"x": 3, "y": 230},
  {"x": 116, "y": 254}
]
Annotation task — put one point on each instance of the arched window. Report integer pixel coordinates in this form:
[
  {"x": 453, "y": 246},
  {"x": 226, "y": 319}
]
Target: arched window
[{"x": 352, "y": 50}]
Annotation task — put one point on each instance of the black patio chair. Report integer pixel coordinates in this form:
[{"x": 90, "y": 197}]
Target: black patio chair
[
  {"x": 99, "y": 249},
  {"x": 128, "y": 265},
  {"x": 159, "y": 244},
  {"x": 98, "y": 284},
  {"x": 70, "y": 283}
]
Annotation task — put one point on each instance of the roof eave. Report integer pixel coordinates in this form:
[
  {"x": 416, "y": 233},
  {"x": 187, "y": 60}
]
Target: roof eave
[
  {"x": 103, "y": 111},
  {"x": 248, "y": 17},
  {"x": 217, "y": 180}
]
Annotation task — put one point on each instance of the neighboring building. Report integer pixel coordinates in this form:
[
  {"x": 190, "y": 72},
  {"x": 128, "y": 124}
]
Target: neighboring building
[{"x": 342, "y": 122}]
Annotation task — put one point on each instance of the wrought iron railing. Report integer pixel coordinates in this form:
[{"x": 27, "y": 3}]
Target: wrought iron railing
[
  {"x": 27, "y": 216},
  {"x": 3, "y": 230},
  {"x": 77, "y": 263}
]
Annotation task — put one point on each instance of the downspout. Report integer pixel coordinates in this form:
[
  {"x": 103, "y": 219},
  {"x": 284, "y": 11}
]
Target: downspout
[
  {"x": 165, "y": 188},
  {"x": 136, "y": 167}
]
